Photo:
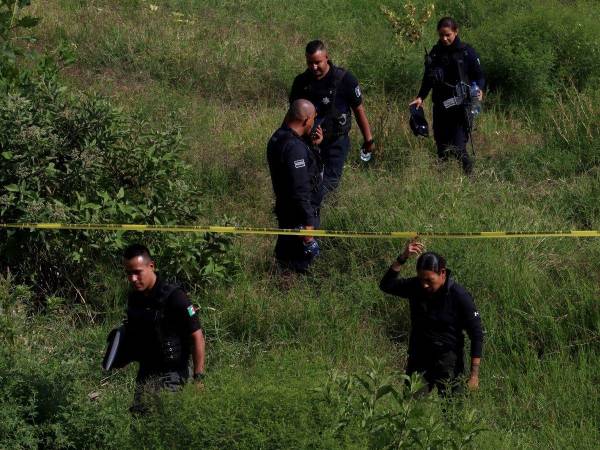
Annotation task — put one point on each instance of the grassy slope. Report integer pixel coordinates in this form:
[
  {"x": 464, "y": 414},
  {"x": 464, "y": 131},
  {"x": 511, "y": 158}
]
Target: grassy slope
[{"x": 224, "y": 75}]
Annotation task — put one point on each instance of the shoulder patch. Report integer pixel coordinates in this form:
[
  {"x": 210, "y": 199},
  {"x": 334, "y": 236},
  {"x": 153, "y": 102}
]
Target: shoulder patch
[
  {"x": 191, "y": 311},
  {"x": 357, "y": 91},
  {"x": 299, "y": 163}
]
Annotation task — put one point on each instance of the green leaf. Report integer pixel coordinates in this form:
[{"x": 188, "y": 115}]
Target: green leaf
[
  {"x": 7, "y": 155},
  {"x": 383, "y": 390},
  {"x": 121, "y": 193},
  {"x": 27, "y": 22},
  {"x": 12, "y": 188}
]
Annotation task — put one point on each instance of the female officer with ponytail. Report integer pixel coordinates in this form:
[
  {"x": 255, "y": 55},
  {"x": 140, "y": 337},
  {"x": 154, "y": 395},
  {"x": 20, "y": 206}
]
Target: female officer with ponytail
[
  {"x": 449, "y": 64},
  {"x": 440, "y": 311}
]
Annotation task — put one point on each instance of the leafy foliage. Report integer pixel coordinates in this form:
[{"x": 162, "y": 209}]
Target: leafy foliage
[
  {"x": 392, "y": 411},
  {"x": 409, "y": 25},
  {"x": 75, "y": 158},
  {"x": 11, "y": 26},
  {"x": 530, "y": 51}
]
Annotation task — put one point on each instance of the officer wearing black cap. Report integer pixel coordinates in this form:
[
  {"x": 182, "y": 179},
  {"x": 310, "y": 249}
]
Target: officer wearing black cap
[
  {"x": 295, "y": 168},
  {"x": 450, "y": 63},
  {"x": 162, "y": 329},
  {"x": 336, "y": 94}
]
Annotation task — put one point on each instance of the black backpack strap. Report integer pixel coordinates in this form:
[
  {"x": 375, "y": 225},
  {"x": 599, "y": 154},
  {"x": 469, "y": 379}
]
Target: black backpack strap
[
  {"x": 459, "y": 58},
  {"x": 338, "y": 75},
  {"x": 166, "y": 292}
]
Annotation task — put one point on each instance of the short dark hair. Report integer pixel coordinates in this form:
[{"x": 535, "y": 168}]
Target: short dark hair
[
  {"x": 447, "y": 22},
  {"x": 431, "y": 261},
  {"x": 300, "y": 109},
  {"x": 315, "y": 46},
  {"x": 135, "y": 250}
]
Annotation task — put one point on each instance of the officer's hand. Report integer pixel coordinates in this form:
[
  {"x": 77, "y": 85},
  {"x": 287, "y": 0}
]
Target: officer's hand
[
  {"x": 413, "y": 248},
  {"x": 369, "y": 146},
  {"x": 317, "y": 136},
  {"x": 311, "y": 248},
  {"x": 418, "y": 102},
  {"x": 199, "y": 381},
  {"x": 473, "y": 383}
]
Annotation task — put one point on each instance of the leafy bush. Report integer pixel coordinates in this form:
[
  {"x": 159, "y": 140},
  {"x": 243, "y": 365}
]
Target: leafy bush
[
  {"x": 44, "y": 388},
  {"x": 75, "y": 158},
  {"x": 528, "y": 52},
  {"x": 11, "y": 26},
  {"x": 393, "y": 413}
]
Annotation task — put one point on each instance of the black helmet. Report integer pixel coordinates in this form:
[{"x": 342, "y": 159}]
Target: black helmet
[{"x": 418, "y": 123}]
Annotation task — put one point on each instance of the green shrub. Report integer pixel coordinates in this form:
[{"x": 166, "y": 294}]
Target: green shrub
[
  {"x": 528, "y": 52},
  {"x": 75, "y": 158},
  {"x": 392, "y": 411}
]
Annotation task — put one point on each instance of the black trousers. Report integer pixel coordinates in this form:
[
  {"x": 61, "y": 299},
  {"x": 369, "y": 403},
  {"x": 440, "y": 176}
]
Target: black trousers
[
  {"x": 450, "y": 134},
  {"x": 289, "y": 250},
  {"x": 333, "y": 154},
  {"x": 149, "y": 383},
  {"x": 441, "y": 370}
]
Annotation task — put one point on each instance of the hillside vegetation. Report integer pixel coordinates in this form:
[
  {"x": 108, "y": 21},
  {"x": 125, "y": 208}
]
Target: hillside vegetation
[{"x": 212, "y": 77}]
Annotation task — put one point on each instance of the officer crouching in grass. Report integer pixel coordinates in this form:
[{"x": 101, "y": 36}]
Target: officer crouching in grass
[
  {"x": 440, "y": 310},
  {"x": 336, "y": 94},
  {"x": 162, "y": 330},
  {"x": 295, "y": 168}
]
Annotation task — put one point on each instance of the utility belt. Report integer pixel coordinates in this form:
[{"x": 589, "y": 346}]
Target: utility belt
[
  {"x": 170, "y": 350},
  {"x": 336, "y": 125}
]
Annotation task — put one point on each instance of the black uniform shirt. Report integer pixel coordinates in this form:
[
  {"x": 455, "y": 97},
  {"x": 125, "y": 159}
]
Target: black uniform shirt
[
  {"x": 294, "y": 174},
  {"x": 444, "y": 59},
  {"x": 319, "y": 92},
  {"x": 438, "y": 321},
  {"x": 180, "y": 319}
]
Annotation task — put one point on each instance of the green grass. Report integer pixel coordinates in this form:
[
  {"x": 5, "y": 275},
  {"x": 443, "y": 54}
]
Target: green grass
[{"x": 224, "y": 77}]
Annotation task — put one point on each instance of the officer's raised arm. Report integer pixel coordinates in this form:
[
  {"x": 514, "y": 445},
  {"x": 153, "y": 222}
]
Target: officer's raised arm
[{"x": 391, "y": 283}]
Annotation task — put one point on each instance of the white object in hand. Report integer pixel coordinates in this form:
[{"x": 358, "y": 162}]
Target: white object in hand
[{"x": 364, "y": 156}]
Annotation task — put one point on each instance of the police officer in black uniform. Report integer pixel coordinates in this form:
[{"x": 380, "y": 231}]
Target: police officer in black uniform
[
  {"x": 440, "y": 310},
  {"x": 336, "y": 94},
  {"x": 450, "y": 63},
  {"x": 294, "y": 163},
  {"x": 162, "y": 329}
]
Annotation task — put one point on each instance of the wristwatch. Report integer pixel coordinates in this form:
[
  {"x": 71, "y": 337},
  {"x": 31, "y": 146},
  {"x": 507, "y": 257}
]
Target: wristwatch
[
  {"x": 369, "y": 142},
  {"x": 199, "y": 376},
  {"x": 401, "y": 259}
]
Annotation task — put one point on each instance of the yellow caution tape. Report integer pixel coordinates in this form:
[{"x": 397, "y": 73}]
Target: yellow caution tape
[{"x": 295, "y": 232}]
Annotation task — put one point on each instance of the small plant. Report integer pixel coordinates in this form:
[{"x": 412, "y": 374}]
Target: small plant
[
  {"x": 408, "y": 26},
  {"x": 393, "y": 411}
]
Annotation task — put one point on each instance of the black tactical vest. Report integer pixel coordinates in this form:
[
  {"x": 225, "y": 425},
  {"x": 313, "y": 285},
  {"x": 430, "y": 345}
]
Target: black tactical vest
[
  {"x": 335, "y": 123},
  {"x": 151, "y": 339}
]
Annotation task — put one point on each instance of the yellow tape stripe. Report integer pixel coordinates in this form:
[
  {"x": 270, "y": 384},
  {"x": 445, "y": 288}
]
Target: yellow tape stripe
[{"x": 317, "y": 233}]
